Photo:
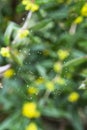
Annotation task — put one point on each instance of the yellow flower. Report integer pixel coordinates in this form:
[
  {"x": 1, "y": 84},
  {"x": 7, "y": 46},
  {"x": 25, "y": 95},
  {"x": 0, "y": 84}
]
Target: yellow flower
[
  {"x": 32, "y": 90},
  {"x": 40, "y": 80},
  {"x": 84, "y": 10},
  {"x": 5, "y": 52},
  {"x": 57, "y": 67},
  {"x": 25, "y": 2},
  {"x": 62, "y": 54},
  {"x": 9, "y": 73},
  {"x": 73, "y": 97},
  {"x": 34, "y": 7},
  {"x": 32, "y": 126},
  {"x": 50, "y": 86},
  {"x": 30, "y": 6},
  {"x": 23, "y": 33},
  {"x": 60, "y": 81},
  {"x": 78, "y": 20},
  {"x": 30, "y": 110}
]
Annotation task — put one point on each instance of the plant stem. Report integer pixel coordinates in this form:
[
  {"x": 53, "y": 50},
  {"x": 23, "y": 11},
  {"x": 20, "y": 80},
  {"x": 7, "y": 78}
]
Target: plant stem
[{"x": 25, "y": 26}]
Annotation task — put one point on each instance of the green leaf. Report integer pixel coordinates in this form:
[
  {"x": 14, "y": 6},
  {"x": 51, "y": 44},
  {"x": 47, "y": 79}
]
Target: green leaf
[
  {"x": 83, "y": 45},
  {"x": 58, "y": 14},
  {"x": 76, "y": 120},
  {"x": 7, "y": 123},
  {"x": 40, "y": 25},
  {"x": 55, "y": 113},
  {"x": 17, "y": 57},
  {"x": 75, "y": 62},
  {"x": 7, "y": 36},
  {"x": 43, "y": 1},
  {"x": 41, "y": 70}
]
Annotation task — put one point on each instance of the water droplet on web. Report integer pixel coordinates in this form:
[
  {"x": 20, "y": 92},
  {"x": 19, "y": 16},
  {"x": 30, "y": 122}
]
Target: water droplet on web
[
  {"x": 30, "y": 97},
  {"x": 27, "y": 86},
  {"x": 25, "y": 52},
  {"x": 19, "y": 68},
  {"x": 55, "y": 92},
  {"x": 23, "y": 19},
  {"x": 19, "y": 50},
  {"x": 36, "y": 94},
  {"x": 31, "y": 72},
  {"x": 39, "y": 52},
  {"x": 65, "y": 84},
  {"x": 26, "y": 63}
]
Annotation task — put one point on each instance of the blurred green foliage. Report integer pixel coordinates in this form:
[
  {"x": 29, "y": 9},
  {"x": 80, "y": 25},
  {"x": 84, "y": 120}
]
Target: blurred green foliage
[{"x": 38, "y": 65}]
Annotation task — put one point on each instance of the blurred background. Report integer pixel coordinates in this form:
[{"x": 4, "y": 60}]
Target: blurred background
[{"x": 43, "y": 65}]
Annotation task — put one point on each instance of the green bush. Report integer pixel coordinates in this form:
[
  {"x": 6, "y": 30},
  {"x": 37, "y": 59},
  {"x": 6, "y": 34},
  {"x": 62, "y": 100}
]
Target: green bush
[{"x": 43, "y": 65}]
